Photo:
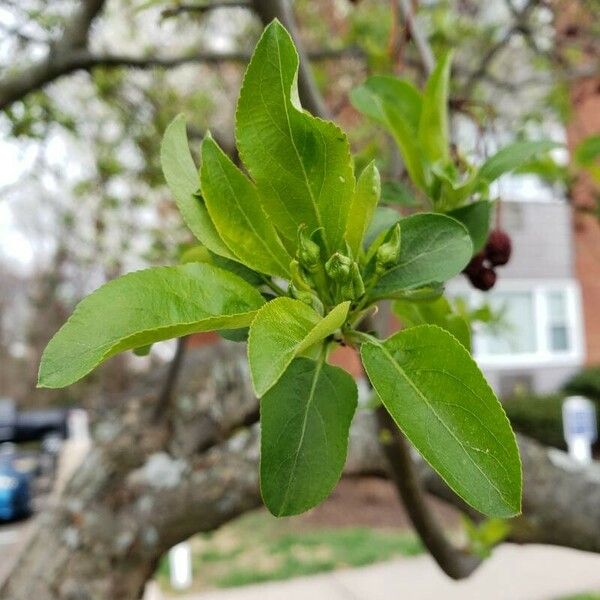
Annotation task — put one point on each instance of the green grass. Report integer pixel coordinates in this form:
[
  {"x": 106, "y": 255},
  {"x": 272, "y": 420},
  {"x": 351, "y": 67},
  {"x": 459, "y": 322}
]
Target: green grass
[
  {"x": 257, "y": 548},
  {"x": 583, "y": 596}
]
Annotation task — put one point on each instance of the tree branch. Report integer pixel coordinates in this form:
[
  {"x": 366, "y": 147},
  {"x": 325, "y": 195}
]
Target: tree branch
[
  {"x": 419, "y": 39},
  {"x": 141, "y": 490},
  {"x": 59, "y": 59},
  {"x": 455, "y": 562},
  {"x": 518, "y": 27},
  {"x": 76, "y": 32},
  {"x": 166, "y": 394},
  {"x": 16, "y": 87},
  {"x": 203, "y": 8}
]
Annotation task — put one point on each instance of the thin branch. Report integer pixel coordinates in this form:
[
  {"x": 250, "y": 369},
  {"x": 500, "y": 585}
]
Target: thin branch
[
  {"x": 76, "y": 32},
  {"x": 518, "y": 27},
  {"x": 455, "y": 562},
  {"x": 17, "y": 86},
  {"x": 203, "y": 8},
  {"x": 166, "y": 394},
  {"x": 488, "y": 58},
  {"x": 417, "y": 35},
  {"x": 59, "y": 58}
]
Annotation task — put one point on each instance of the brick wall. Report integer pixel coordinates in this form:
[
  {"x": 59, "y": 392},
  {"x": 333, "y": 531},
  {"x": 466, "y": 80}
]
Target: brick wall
[{"x": 585, "y": 121}]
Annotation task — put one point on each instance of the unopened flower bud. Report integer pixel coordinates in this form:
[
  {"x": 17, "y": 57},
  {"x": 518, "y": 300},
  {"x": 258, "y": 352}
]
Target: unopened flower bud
[
  {"x": 309, "y": 253},
  {"x": 389, "y": 252},
  {"x": 353, "y": 288},
  {"x": 338, "y": 267},
  {"x": 298, "y": 277},
  {"x": 358, "y": 284}
]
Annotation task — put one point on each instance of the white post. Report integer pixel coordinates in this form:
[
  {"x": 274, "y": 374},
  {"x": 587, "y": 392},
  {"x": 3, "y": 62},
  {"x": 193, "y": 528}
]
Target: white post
[
  {"x": 180, "y": 566},
  {"x": 78, "y": 425},
  {"x": 579, "y": 427}
]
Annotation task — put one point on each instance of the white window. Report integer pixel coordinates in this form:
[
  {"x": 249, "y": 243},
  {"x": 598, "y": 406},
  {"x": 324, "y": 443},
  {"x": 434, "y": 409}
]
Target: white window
[{"x": 540, "y": 324}]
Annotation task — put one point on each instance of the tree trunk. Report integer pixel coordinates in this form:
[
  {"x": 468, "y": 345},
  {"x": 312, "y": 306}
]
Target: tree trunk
[
  {"x": 146, "y": 485},
  {"x": 150, "y": 483}
]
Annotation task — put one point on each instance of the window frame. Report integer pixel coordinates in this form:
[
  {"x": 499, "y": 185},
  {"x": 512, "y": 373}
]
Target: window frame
[{"x": 540, "y": 290}]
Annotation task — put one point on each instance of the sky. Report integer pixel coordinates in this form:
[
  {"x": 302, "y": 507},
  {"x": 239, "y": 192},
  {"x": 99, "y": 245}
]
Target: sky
[{"x": 13, "y": 243}]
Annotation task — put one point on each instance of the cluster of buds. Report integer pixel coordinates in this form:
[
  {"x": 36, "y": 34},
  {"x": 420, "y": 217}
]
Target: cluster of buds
[
  {"x": 344, "y": 271},
  {"x": 305, "y": 271},
  {"x": 316, "y": 281},
  {"x": 481, "y": 270},
  {"x": 337, "y": 280}
]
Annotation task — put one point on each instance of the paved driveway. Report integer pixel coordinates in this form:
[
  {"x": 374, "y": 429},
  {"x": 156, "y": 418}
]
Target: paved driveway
[{"x": 513, "y": 573}]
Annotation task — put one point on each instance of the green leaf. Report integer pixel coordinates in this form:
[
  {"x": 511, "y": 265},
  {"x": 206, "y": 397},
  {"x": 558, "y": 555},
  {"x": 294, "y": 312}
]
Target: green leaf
[
  {"x": 305, "y": 420},
  {"x": 142, "y": 308},
  {"x": 202, "y": 254},
  {"x": 383, "y": 219},
  {"x": 364, "y": 201},
  {"x": 434, "y": 312},
  {"x": 434, "y": 249},
  {"x": 396, "y": 192},
  {"x": 422, "y": 294},
  {"x": 397, "y": 104},
  {"x": 476, "y": 218},
  {"x": 301, "y": 164},
  {"x": 143, "y": 350},
  {"x": 513, "y": 156},
  {"x": 283, "y": 329},
  {"x": 439, "y": 398},
  {"x": 587, "y": 151},
  {"x": 252, "y": 277},
  {"x": 433, "y": 124},
  {"x": 484, "y": 536},
  {"x": 183, "y": 181},
  {"x": 450, "y": 188},
  {"x": 234, "y": 207},
  {"x": 379, "y": 90}
]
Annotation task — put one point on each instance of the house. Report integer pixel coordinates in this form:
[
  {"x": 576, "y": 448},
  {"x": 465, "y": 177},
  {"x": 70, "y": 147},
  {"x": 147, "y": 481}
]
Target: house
[{"x": 540, "y": 341}]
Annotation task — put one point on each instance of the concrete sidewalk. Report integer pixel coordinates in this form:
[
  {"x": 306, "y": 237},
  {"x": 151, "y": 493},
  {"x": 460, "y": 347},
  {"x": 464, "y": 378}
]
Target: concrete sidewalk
[{"x": 512, "y": 573}]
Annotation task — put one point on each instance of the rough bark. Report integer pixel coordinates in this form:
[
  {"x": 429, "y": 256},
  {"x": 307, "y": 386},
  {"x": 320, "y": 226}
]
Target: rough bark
[{"x": 145, "y": 486}]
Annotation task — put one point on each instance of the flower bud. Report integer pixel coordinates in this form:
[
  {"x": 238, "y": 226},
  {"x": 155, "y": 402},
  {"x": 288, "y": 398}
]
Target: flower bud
[
  {"x": 358, "y": 284},
  {"x": 298, "y": 277},
  {"x": 353, "y": 288},
  {"x": 309, "y": 253},
  {"x": 389, "y": 252},
  {"x": 338, "y": 267}
]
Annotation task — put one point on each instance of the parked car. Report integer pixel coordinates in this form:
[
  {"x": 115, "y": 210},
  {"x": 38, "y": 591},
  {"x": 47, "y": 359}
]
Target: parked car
[
  {"x": 31, "y": 425},
  {"x": 15, "y": 489}
]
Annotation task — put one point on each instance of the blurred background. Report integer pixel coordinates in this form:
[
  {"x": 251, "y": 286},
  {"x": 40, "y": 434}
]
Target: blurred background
[{"x": 87, "y": 88}]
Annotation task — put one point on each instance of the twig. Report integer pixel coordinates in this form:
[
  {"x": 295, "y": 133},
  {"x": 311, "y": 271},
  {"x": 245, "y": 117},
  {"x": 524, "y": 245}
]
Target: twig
[
  {"x": 203, "y": 8},
  {"x": 17, "y": 86},
  {"x": 417, "y": 35},
  {"x": 455, "y": 562},
  {"x": 166, "y": 394}
]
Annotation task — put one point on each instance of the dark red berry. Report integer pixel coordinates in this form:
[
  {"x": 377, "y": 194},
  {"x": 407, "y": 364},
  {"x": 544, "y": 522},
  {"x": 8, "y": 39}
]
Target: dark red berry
[
  {"x": 475, "y": 265},
  {"x": 484, "y": 279},
  {"x": 498, "y": 247}
]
